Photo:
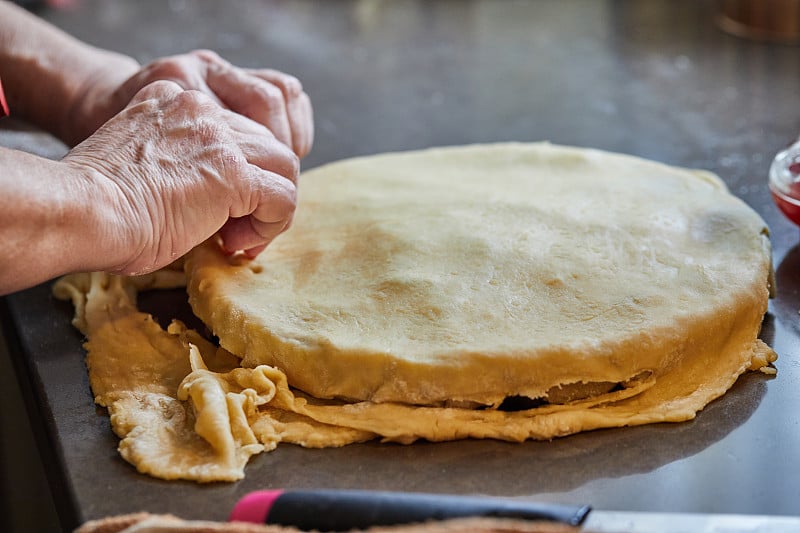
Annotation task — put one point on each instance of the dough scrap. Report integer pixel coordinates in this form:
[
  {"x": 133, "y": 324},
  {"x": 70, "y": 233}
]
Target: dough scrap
[
  {"x": 177, "y": 418},
  {"x": 184, "y": 408}
]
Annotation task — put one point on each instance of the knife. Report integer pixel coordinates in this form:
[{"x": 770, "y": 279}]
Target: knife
[{"x": 345, "y": 510}]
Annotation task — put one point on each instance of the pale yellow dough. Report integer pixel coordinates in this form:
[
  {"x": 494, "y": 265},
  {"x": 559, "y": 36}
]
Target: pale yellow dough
[
  {"x": 475, "y": 273},
  {"x": 414, "y": 287}
]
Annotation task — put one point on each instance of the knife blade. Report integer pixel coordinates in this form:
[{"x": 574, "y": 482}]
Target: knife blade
[{"x": 599, "y": 521}]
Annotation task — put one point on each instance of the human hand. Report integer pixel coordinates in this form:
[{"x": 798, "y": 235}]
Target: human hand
[
  {"x": 173, "y": 168},
  {"x": 269, "y": 97}
]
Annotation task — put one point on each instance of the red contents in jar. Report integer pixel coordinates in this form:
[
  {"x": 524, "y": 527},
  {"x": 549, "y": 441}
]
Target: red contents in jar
[
  {"x": 794, "y": 191},
  {"x": 789, "y": 206}
]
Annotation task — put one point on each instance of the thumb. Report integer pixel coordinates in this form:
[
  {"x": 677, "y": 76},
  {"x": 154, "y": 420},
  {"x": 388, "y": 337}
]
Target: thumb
[{"x": 274, "y": 200}]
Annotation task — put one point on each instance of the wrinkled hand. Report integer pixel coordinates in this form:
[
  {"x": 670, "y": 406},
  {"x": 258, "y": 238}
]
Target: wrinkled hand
[
  {"x": 174, "y": 167},
  {"x": 269, "y": 97}
]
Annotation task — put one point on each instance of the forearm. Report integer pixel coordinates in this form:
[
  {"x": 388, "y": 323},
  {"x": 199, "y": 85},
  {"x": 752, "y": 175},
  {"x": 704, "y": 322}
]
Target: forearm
[
  {"x": 52, "y": 220},
  {"x": 46, "y": 73}
]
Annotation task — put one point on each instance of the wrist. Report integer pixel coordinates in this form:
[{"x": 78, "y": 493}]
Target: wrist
[
  {"x": 80, "y": 219},
  {"x": 99, "y": 214},
  {"x": 95, "y": 99},
  {"x": 54, "y": 220}
]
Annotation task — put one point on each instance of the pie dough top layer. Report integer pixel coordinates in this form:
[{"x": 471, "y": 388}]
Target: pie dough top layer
[{"x": 470, "y": 274}]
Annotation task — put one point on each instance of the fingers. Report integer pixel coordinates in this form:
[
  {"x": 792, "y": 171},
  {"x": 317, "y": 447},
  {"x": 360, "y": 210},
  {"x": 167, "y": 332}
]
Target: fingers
[
  {"x": 268, "y": 97},
  {"x": 253, "y": 98},
  {"x": 298, "y": 108},
  {"x": 267, "y": 195}
]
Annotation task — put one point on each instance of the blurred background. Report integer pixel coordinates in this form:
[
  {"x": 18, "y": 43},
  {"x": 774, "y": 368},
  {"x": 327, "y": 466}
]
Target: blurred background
[{"x": 697, "y": 83}]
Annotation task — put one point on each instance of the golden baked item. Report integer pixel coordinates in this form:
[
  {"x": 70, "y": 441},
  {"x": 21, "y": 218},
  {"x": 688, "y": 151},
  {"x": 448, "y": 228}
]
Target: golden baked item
[{"x": 504, "y": 291}]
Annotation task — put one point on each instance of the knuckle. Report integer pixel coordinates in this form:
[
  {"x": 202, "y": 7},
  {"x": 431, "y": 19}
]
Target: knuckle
[
  {"x": 277, "y": 203},
  {"x": 292, "y": 86},
  {"x": 287, "y": 202},
  {"x": 156, "y": 93},
  {"x": 207, "y": 55},
  {"x": 269, "y": 94},
  {"x": 289, "y": 84},
  {"x": 294, "y": 166},
  {"x": 171, "y": 68},
  {"x": 211, "y": 138},
  {"x": 231, "y": 159},
  {"x": 194, "y": 101},
  {"x": 155, "y": 90},
  {"x": 305, "y": 101},
  {"x": 287, "y": 163}
]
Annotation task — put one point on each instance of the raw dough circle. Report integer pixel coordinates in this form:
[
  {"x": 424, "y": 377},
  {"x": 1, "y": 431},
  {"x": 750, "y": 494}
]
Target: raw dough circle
[{"x": 466, "y": 275}]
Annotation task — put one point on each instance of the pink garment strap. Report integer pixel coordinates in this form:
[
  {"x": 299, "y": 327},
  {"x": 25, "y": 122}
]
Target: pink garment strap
[{"x": 3, "y": 105}]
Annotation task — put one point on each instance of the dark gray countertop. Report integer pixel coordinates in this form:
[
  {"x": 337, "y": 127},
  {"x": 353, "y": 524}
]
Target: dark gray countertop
[{"x": 653, "y": 78}]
